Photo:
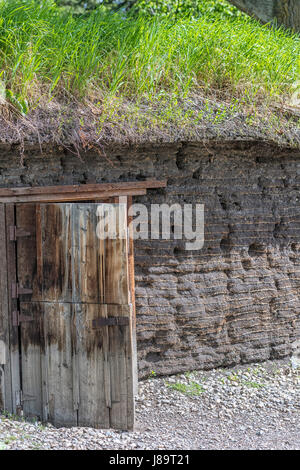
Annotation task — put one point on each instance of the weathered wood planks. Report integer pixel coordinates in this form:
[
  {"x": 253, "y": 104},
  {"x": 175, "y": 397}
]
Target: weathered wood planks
[
  {"x": 93, "y": 372},
  {"x": 131, "y": 276},
  {"x": 74, "y": 373},
  {"x": 32, "y": 349},
  {"x": 76, "y": 188},
  {"x": 58, "y": 319},
  {"x": 77, "y": 192},
  {"x": 31, "y": 332},
  {"x": 5, "y": 369},
  {"x": 12, "y": 307}
]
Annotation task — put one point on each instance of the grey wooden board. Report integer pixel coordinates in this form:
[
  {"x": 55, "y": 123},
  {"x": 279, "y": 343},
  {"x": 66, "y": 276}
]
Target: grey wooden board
[
  {"x": 58, "y": 327},
  {"x": 31, "y": 338},
  {"x": 12, "y": 306},
  {"x": 92, "y": 367},
  {"x": 5, "y": 371},
  {"x": 32, "y": 350}
]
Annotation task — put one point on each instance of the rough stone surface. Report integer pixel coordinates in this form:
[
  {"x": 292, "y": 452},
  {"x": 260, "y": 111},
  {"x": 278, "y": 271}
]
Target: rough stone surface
[{"x": 236, "y": 300}]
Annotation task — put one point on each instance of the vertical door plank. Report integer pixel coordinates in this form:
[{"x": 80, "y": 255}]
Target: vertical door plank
[
  {"x": 105, "y": 330},
  {"x": 116, "y": 262},
  {"x": 12, "y": 306},
  {"x": 5, "y": 369},
  {"x": 131, "y": 380},
  {"x": 132, "y": 296},
  {"x": 39, "y": 278},
  {"x": 31, "y": 332},
  {"x": 26, "y": 251},
  {"x": 120, "y": 357},
  {"x": 86, "y": 270},
  {"x": 93, "y": 381},
  {"x": 56, "y": 252},
  {"x": 120, "y": 339},
  {"x": 75, "y": 362},
  {"x": 32, "y": 351},
  {"x": 58, "y": 328},
  {"x": 38, "y": 285}
]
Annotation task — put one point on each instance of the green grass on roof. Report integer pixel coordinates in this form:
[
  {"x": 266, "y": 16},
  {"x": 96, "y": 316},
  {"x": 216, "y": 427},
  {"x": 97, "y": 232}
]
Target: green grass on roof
[{"x": 43, "y": 49}]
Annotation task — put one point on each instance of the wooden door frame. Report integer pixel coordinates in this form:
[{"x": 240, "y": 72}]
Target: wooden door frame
[
  {"x": 10, "y": 377},
  {"x": 10, "y": 370},
  {"x": 77, "y": 192}
]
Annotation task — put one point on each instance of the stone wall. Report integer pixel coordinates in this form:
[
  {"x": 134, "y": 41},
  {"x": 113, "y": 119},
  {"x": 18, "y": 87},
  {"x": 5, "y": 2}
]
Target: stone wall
[{"x": 238, "y": 299}]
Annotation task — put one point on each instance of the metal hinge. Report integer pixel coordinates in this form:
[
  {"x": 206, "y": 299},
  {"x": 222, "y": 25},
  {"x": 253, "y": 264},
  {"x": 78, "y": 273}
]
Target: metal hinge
[
  {"x": 17, "y": 318},
  {"x": 111, "y": 321},
  {"x": 17, "y": 290},
  {"x": 16, "y": 232}
]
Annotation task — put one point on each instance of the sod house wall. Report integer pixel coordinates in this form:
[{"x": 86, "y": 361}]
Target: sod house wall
[{"x": 237, "y": 300}]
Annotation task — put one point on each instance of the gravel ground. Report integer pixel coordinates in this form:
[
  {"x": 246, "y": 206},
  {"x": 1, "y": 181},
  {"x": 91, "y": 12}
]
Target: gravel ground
[{"x": 248, "y": 407}]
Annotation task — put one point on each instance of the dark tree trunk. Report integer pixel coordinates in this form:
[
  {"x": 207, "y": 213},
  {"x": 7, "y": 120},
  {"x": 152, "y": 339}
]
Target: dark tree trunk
[{"x": 285, "y": 12}]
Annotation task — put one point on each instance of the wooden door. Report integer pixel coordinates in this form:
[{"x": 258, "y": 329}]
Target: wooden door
[{"x": 75, "y": 316}]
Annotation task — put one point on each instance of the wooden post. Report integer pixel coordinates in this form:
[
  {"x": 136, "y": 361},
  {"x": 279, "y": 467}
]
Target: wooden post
[
  {"x": 12, "y": 306},
  {"x": 5, "y": 369},
  {"x": 132, "y": 295}
]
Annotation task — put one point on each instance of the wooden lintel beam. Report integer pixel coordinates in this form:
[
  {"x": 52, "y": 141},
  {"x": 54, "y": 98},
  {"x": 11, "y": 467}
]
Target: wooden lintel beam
[
  {"x": 130, "y": 188},
  {"x": 69, "y": 197}
]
